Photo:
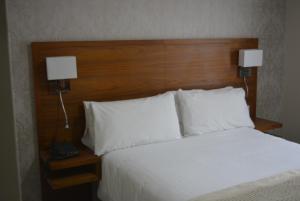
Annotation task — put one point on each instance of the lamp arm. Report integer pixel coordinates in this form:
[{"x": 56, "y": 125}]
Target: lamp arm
[{"x": 64, "y": 110}]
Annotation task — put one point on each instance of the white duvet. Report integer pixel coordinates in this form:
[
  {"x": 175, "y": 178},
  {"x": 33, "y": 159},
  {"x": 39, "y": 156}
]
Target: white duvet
[{"x": 185, "y": 169}]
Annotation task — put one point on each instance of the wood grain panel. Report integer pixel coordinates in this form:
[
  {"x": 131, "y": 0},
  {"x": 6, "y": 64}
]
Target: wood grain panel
[{"x": 116, "y": 70}]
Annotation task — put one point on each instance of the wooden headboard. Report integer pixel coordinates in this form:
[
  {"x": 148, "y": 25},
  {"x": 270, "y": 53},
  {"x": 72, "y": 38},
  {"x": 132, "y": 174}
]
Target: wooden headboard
[{"x": 114, "y": 70}]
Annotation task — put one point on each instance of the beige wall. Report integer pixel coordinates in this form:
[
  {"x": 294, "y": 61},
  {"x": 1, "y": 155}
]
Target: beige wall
[
  {"x": 9, "y": 183},
  {"x": 57, "y": 20},
  {"x": 291, "y": 100}
]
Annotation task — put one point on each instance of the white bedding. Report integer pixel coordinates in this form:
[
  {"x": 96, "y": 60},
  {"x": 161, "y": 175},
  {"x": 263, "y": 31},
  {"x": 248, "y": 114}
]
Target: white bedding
[{"x": 184, "y": 169}]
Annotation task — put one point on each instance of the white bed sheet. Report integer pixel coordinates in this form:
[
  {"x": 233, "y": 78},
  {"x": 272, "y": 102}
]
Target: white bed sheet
[{"x": 187, "y": 168}]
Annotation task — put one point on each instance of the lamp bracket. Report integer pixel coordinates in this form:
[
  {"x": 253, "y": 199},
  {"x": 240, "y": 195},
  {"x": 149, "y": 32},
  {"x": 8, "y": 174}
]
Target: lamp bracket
[
  {"x": 55, "y": 86},
  {"x": 245, "y": 72}
]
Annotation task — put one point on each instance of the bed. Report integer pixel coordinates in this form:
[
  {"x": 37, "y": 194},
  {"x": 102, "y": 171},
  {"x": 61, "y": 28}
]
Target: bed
[
  {"x": 185, "y": 169},
  {"x": 192, "y": 168}
]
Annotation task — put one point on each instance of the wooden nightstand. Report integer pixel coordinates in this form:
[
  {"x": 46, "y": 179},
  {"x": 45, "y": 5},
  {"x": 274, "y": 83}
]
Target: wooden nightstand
[
  {"x": 70, "y": 179},
  {"x": 266, "y": 125}
]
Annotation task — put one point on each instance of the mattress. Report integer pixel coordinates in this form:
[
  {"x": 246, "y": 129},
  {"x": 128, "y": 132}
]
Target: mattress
[{"x": 185, "y": 169}]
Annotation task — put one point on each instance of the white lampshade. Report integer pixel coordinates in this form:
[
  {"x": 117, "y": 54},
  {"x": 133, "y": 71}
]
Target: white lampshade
[
  {"x": 61, "y": 68},
  {"x": 250, "y": 58}
]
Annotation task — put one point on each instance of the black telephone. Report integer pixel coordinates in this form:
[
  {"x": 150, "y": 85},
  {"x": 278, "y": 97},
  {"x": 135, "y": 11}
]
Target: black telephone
[{"x": 63, "y": 150}]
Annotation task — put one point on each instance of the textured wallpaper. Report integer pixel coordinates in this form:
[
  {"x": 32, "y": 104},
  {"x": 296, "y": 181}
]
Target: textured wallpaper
[
  {"x": 57, "y": 20},
  {"x": 291, "y": 96}
]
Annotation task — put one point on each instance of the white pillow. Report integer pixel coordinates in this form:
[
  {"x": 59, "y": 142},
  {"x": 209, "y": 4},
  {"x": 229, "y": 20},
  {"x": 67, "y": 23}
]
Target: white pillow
[
  {"x": 88, "y": 139},
  {"x": 192, "y": 91},
  {"x": 121, "y": 124},
  {"x": 210, "y": 111}
]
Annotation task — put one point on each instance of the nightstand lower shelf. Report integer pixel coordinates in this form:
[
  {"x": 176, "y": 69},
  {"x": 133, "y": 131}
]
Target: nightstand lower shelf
[{"x": 59, "y": 183}]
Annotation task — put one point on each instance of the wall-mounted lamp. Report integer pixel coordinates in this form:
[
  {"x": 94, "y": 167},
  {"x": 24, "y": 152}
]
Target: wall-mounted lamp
[
  {"x": 61, "y": 69},
  {"x": 248, "y": 59}
]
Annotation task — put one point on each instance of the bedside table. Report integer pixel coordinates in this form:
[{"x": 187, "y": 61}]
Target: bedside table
[
  {"x": 69, "y": 179},
  {"x": 265, "y": 125}
]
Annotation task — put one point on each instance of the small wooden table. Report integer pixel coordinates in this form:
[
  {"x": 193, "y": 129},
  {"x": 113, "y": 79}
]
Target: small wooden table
[
  {"x": 76, "y": 170},
  {"x": 265, "y": 125}
]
